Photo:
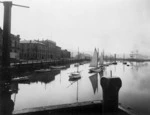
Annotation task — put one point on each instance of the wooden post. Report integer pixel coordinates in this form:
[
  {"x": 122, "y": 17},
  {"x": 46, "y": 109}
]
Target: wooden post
[
  {"x": 6, "y": 41},
  {"x": 110, "y": 88},
  {"x": 6, "y": 34}
]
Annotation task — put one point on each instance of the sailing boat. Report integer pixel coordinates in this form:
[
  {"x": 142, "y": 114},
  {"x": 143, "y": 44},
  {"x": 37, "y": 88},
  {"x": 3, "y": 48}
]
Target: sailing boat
[
  {"x": 75, "y": 75},
  {"x": 94, "y": 63}
]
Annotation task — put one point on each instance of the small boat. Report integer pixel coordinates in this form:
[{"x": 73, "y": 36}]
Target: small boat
[
  {"x": 57, "y": 67},
  {"x": 74, "y": 75},
  {"x": 43, "y": 70},
  {"x": 114, "y": 63},
  {"x": 107, "y": 64},
  {"x": 76, "y": 64},
  {"x": 96, "y": 70},
  {"x": 82, "y": 63},
  {"x": 128, "y": 65},
  {"x": 20, "y": 79},
  {"x": 124, "y": 63}
]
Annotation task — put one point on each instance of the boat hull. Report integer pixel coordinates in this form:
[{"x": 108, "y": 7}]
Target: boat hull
[
  {"x": 57, "y": 67},
  {"x": 96, "y": 70},
  {"x": 43, "y": 70},
  {"x": 74, "y": 76}
]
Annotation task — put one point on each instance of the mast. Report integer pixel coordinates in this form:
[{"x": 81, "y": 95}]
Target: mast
[
  {"x": 78, "y": 53},
  {"x": 78, "y": 60},
  {"x": 103, "y": 55},
  {"x": 97, "y": 57},
  {"x": 77, "y": 90}
]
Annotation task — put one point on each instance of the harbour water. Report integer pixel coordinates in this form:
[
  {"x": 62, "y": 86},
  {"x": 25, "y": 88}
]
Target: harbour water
[{"x": 54, "y": 88}]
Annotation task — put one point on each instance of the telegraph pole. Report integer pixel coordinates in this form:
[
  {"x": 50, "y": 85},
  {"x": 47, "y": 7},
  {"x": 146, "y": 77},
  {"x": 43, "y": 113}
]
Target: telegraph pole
[
  {"x": 6, "y": 35},
  {"x": 7, "y": 40}
]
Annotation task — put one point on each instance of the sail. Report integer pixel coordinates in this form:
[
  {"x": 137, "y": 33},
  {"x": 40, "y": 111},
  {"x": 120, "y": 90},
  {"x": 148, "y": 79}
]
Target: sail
[
  {"x": 94, "y": 82},
  {"x": 94, "y": 61},
  {"x": 101, "y": 62}
]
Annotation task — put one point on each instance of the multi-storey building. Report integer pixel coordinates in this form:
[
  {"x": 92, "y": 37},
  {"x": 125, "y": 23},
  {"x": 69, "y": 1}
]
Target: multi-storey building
[
  {"x": 41, "y": 50},
  {"x": 58, "y": 52},
  {"x": 51, "y": 48},
  {"x": 32, "y": 50},
  {"x": 65, "y": 54},
  {"x": 14, "y": 47}
]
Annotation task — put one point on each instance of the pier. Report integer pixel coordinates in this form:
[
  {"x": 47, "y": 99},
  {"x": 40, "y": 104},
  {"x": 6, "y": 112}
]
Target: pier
[{"x": 80, "y": 108}]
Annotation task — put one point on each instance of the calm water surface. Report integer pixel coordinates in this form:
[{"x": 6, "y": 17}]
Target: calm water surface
[{"x": 53, "y": 88}]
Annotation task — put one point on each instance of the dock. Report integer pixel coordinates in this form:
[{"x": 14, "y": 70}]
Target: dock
[{"x": 77, "y": 108}]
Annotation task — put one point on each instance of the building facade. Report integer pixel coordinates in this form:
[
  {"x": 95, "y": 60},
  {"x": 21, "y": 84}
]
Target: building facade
[
  {"x": 58, "y": 52},
  {"x": 65, "y": 54},
  {"x": 51, "y": 48},
  {"x": 41, "y": 50},
  {"x": 14, "y": 46},
  {"x": 32, "y": 50}
]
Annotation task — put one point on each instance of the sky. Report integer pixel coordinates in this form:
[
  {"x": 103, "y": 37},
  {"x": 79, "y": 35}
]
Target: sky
[{"x": 115, "y": 26}]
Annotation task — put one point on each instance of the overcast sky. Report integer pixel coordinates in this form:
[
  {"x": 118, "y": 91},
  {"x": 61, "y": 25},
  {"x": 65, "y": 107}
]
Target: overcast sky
[{"x": 117, "y": 26}]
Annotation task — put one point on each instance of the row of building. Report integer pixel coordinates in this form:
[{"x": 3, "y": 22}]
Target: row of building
[{"x": 33, "y": 49}]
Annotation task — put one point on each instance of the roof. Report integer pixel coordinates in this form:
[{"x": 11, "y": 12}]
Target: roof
[{"x": 31, "y": 41}]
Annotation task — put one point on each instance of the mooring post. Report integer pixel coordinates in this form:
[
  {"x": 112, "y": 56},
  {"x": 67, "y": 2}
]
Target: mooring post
[{"x": 110, "y": 88}]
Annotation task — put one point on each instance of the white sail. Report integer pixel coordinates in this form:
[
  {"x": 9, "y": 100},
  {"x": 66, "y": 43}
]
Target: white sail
[
  {"x": 94, "y": 61},
  {"x": 101, "y": 62}
]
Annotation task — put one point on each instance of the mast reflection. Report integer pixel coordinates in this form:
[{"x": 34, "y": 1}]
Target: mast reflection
[{"x": 94, "y": 82}]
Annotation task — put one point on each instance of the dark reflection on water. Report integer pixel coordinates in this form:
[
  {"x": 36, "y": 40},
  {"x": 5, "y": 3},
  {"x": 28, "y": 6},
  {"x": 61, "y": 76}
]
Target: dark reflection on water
[
  {"x": 57, "y": 89},
  {"x": 6, "y": 103},
  {"x": 94, "y": 82},
  {"x": 46, "y": 77}
]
